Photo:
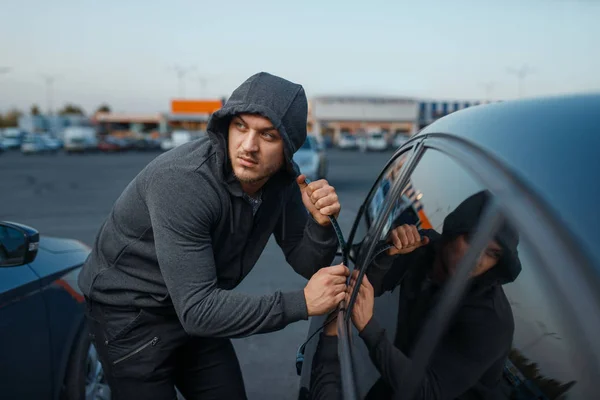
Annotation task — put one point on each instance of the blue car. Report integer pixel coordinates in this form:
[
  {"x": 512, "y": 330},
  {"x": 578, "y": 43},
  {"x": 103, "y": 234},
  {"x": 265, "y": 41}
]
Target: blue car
[{"x": 45, "y": 350}]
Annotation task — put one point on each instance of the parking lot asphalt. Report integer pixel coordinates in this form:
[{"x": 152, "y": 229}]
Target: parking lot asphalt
[{"x": 70, "y": 195}]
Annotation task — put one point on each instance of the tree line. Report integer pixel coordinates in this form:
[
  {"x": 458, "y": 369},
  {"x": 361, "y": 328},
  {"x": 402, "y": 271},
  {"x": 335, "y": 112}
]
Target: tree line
[{"x": 11, "y": 117}]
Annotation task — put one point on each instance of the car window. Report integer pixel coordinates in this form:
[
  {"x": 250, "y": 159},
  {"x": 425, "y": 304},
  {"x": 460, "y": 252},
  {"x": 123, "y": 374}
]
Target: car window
[
  {"x": 365, "y": 222},
  {"x": 547, "y": 359},
  {"x": 445, "y": 203}
]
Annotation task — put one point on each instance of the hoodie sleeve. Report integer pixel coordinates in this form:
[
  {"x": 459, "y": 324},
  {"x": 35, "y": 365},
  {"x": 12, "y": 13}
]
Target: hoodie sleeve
[
  {"x": 307, "y": 245},
  {"x": 183, "y": 207},
  {"x": 456, "y": 365}
]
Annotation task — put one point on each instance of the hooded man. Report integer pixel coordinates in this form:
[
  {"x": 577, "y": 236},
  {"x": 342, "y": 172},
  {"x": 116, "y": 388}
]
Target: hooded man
[
  {"x": 468, "y": 361},
  {"x": 188, "y": 229}
]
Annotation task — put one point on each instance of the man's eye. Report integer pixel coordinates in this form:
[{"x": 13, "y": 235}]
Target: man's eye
[
  {"x": 239, "y": 125},
  {"x": 268, "y": 135}
]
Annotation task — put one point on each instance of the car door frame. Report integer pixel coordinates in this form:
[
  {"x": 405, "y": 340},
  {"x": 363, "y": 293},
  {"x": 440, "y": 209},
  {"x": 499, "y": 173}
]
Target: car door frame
[{"x": 515, "y": 200}]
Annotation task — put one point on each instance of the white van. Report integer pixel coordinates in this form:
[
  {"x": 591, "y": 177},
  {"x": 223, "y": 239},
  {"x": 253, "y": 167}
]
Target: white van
[
  {"x": 376, "y": 142},
  {"x": 80, "y": 139}
]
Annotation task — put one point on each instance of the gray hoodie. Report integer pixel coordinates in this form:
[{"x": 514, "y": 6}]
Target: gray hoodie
[{"x": 181, "y": 235}]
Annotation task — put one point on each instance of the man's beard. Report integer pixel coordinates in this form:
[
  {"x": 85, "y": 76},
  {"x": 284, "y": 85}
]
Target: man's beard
[{"x": 270, "y": 171}]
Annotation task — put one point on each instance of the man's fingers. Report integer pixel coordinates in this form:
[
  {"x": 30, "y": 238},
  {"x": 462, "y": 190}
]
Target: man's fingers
[
  {"x": 321, "y": 192},
  {"x": 301, "y": 181},
  {"x": 396, "y": 240},
  {"x": 313, "y": 186},
  {"x": 339, "y": 297},
  {"x": 338, "y": 279},
  {"x": 340, "y": 288},
  {"x": 339, "y": 269},
  {"x": 330, "y": 210},
  {"x": 403, "y": 237},
  {"x": 328, "y": 200}
]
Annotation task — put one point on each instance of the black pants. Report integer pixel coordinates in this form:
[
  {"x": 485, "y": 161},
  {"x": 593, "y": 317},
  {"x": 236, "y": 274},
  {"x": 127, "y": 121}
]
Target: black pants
[{"x": 146, "y": 355}]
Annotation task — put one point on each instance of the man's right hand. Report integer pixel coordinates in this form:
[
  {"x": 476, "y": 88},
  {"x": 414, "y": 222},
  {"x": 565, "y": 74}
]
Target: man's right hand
[
  {"x": 406, "y": 239},
  {"x": 326, "y": 289}
]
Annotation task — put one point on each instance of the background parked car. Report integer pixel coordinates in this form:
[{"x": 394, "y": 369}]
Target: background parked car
[
  {"x": 347, "y": 142},
  {"x": 51, "y": 141},
  {"x": 79, "y": 139},
  {"x": 12, "y": 138},
  {"x": 45, "y": 348},
  {"x": 312, "y": 159},
  {"x": 36, "y": 144},
  {"x": 112, "y": 145},
  {"x": 177, "y": 138},
  {"x": 509, "y": 149},
  {"x": 376, "y": 142}
]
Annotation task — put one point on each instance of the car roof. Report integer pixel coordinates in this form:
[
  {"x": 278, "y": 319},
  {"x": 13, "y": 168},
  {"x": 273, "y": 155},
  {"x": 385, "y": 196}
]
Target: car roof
[{"x": 551, "y": 144}]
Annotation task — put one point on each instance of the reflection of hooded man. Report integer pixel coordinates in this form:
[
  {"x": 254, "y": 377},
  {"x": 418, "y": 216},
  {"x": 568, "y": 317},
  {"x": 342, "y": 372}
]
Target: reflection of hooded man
[{"x": 469, "y": 359}]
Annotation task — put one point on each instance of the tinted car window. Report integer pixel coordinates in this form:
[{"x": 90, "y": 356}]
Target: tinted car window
[
  {"x": 374, "y": 204},
  {"x": 546, "y": 358},
  {"x": 438, "y": 187}
]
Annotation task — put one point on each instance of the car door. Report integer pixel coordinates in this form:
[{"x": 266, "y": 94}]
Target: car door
[
  {"x": 359, "y": 232},
  {"x": 25, "y": 363},
  {"x": 553, "y": 354}
]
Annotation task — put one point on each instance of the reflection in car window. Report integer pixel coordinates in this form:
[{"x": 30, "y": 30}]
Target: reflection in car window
[
  {"x": 546, "y": 360},
  {"x": 378, "y": 198},
  {"x": 445, "y": 204}
]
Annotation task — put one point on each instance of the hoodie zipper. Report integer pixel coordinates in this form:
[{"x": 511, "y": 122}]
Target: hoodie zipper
[{"x": 134, "y": 352}]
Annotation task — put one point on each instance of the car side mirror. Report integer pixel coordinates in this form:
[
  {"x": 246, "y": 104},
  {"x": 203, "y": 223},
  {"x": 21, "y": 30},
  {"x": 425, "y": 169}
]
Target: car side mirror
[{"x": 18, "y": 244}]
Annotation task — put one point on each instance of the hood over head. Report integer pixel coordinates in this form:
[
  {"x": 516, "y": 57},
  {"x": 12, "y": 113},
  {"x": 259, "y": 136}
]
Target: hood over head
[
  {"x": 464, "y": 220},
  {"x": 284, "y": 103}
]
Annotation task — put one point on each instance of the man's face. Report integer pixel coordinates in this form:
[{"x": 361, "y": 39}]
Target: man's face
[
  {"x": 255, "y": 149},
  {"x": 455, "y": 250}
]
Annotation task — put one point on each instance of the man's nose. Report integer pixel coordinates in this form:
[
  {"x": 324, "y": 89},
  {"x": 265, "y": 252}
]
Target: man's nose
[{"x": 250, "y": 143}]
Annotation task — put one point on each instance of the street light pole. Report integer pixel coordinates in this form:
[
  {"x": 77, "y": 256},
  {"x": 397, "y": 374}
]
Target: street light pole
[
  {"x": 181, "y": 73},
  {"x": 49, "y": 81},
  {"x": 521, "y": 74},
  {"x": 489, "y": 87}
]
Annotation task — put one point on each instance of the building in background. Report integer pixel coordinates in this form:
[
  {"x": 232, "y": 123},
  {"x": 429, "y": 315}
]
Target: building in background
[
  {"x": 191, "y": 115},
  {"x": 125, "y": 124},
  {"x": 54, "y": 124},
  {"x": 330, "y": 116},
  {"x": 431, "y": 110}
]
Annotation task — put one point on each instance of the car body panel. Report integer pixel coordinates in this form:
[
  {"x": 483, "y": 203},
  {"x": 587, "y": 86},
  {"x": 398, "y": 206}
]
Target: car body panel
[
  {"x": 44, "y": 308},
  {"x": 24, "y": 335},
  {"x": 536, "y": 158}
]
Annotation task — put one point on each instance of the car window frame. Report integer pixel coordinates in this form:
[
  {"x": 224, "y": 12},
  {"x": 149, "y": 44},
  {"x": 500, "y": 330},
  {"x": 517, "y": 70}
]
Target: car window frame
[
  {"x": 515, "y": 201},
  {"x": 411, "y": 147}
]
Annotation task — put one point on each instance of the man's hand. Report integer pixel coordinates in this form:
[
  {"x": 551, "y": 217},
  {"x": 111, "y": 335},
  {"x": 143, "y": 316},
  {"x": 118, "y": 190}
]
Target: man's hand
[
  {"x": 320, "y": 199},
  {"x": 326, "y": 289},
  {"x": 362, "y": 312},
  {"x": 406, "y": 239}
]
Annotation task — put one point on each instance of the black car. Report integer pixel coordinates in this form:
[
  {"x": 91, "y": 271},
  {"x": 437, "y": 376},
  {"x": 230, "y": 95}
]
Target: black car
[
  {"x": 538, "y": 160},
  {"x": 45, "y": 349}
]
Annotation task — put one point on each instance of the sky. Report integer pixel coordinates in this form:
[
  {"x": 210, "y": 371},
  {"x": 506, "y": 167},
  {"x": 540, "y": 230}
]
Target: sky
[{"x": 125, "y": 52}]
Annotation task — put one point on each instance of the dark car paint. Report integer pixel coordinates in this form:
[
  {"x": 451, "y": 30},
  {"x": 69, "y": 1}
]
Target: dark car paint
[
  {"x": 551, "y": 171},
  {"x": 558, "y": 155},
  {"x": 43, "y": 307}
]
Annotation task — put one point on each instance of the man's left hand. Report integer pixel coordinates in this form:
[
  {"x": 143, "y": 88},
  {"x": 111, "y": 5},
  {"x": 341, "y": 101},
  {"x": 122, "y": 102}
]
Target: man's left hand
[
  {"x": 362, "y": 312},
  {"x": 320, "y": 199}
]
